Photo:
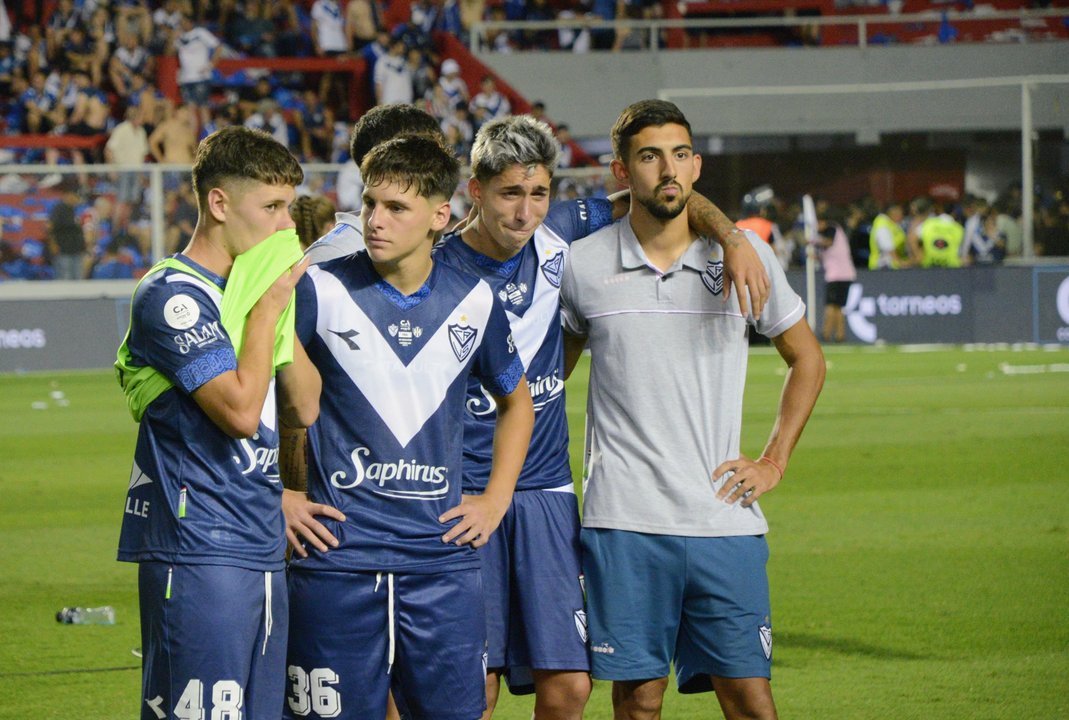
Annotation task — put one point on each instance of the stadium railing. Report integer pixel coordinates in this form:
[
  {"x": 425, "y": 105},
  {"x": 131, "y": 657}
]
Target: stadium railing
[{"x": 855, "y": 30}]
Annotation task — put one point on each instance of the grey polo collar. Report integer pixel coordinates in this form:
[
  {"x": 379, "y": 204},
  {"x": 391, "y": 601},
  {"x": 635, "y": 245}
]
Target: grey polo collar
[{"x": 632, "y": 256}]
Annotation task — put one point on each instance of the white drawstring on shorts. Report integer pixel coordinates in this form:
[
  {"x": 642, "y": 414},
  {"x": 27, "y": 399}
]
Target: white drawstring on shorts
[
  {"x": 268, "y": 620},
  {"x": 389, "y": 617}
]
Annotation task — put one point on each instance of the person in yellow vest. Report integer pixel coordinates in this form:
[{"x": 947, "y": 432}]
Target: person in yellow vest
[
  {"x": 941, "y": 237},
  {"x": 887, "y": 240}
]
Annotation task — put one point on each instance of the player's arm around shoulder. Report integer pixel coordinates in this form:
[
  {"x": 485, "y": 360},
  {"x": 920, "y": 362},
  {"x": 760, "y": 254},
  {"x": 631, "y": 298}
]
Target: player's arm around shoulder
[
  {"x": 234, "y": 400},
  {"x": 742, "y": 264}
]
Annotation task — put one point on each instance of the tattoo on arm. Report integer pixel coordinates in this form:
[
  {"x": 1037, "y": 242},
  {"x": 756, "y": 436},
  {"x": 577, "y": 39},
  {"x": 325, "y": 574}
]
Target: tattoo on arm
[{"x": 292, "y": 458}]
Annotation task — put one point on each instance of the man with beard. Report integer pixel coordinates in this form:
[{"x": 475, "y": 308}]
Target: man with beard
[{"x": 673, "y": 540}]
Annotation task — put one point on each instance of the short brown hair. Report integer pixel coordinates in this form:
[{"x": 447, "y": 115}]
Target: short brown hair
[
  {"x": 421, "y": 161},
  {"x": 639, "y": 116},
  {"x": 236, "y": 154}
]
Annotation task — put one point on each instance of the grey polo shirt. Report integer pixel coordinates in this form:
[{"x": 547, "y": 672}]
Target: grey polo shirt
[{"x": 668, "y": 366}]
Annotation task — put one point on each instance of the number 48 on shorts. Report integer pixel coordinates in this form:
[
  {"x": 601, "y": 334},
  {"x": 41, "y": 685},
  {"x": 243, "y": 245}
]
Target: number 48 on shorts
[{"x": 227, "y": 697}]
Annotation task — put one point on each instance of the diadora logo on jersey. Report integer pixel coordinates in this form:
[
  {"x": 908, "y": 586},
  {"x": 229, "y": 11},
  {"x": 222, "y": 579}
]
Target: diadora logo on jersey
[
  {"x": 138, "y": 477},
  {"x": 198, "y": 337},
  {"x": 181, "y": 312},
  {"x": 766, "y": 640},
  {"x": 513, "y": 293},
  {"x": 134, "y": 505},
  {"x": 405, "y": 333},
  {"x": 434, "y": 477},
  {"x": 713, "y": 277},
  {"x": 603, "y": 648},
  {"x": 462, "y": 339},
  {"x": 580, "y": 624},
  {"x": 553, "y": 269},
  {"x": 349, "y": 336}
]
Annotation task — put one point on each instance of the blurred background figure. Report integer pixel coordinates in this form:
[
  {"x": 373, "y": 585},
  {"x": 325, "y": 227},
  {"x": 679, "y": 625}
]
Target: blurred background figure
[
  {"x": 839, "y": 274},
  {"x": 313, "y": 216}
]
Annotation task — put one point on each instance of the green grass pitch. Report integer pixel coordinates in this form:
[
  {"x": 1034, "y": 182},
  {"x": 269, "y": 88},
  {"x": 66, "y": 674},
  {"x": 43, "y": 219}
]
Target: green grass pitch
[{"x": 920, "y": 541}]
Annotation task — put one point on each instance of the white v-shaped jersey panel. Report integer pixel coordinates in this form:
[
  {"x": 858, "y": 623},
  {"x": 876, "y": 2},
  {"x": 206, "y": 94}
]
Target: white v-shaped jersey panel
[
  {"x": 404, "y": 396},
  {"x": 530, "y": 329}
]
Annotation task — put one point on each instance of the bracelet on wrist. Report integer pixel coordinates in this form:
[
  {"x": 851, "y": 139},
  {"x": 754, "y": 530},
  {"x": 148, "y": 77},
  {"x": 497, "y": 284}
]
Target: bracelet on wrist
[{"x": 773, "y": 463}]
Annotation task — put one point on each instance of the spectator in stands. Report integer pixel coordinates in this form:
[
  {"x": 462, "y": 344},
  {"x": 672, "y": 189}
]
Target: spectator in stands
[
  {"x": 361, "y": 22},
  {"x": 133, "y": 17},
  {"x": 101, "y": 32},
  {"x": 315, "y": 127},
  {"x": 564, "y": 140},
  {"x": 89, "y": 119},
  {"x": 455, "y": 142},
  {"x": 576, "y": 39},
  {"x": 197, "y": 48},
  {"x": 38, "y": 106},
  {"x": 268, "y": 119},
  {"x": 166, "y": 26},
  {"x": 489, "y": 103},
  {"x": 393, "y": 78},
  {"x": 175, "y": 139},
  {"x": 538, "y": 112},
  {"x": 292, "y": 41},
  {"x": 145, "y": 95},
  {"x": 250, "y": 96},
  {"x": 313, "y": 216},
  {"x": 538, "y": 10},
  {"x": 253, "y": 31},
  {"x": 1009, "y": 220},
  {"x": 986, "y": 245},
  {"x": 127, "y": 145},
  {"x": 438, "y": 104},
  {"x": 500, "y": 40},
  {"x": 63, "y": 19},
  {"x": 329, "y": 40},
  {"x": 31, "y": 51},
  {"x": 128, "y": 61},
  {"x": 450, "y": 21},
  {"x": 471, "y": 12},
  {"x": 973, "y": 210},
  {"x": 120, "y": 259},
  {"x": 456, "y": 90},
  {"x": 79, "y": 54},
  {"x": 603, "y": 38},
  {"x": 888, "y": 249},
  {"x": 65, "y": 236},
  {"x": 839, "y": 274},
  {"x": 460, "y": 120},
  {"x": 423, "y": 76},
  {"x": 422, "y": 20}
]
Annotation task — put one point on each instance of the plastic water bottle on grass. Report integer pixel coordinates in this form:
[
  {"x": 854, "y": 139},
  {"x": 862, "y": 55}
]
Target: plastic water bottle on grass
[{"x": 87, "y": 616}]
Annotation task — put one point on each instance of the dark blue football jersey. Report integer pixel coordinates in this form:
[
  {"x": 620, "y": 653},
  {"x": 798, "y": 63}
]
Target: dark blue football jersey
[
  {"x": 528, "y": 286},
  {"x": 387, "y": 447},
  {"x": 196, "y": 494}
]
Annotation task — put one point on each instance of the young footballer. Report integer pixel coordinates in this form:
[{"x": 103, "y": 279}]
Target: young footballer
[
  {"x": 202, "y": 515},
  {"x": 397, "y": 600},
  {"x": 673, "y": 538}
]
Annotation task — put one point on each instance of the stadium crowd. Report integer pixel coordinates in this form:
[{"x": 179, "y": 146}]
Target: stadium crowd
[{"x": 86, "y": 70}]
